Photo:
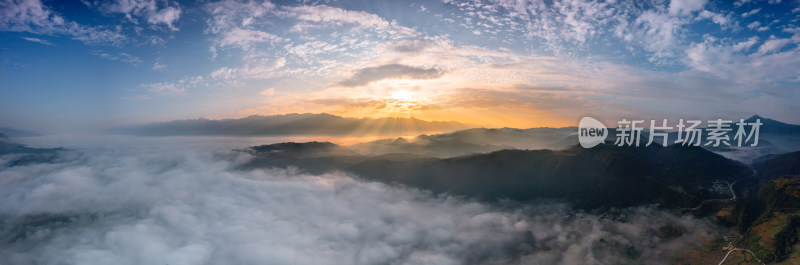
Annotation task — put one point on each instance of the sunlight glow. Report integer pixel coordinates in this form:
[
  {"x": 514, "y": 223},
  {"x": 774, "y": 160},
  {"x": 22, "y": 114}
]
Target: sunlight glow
[
  {"x": 402, "y": 95},
  {"x": 402, "y": 101}
]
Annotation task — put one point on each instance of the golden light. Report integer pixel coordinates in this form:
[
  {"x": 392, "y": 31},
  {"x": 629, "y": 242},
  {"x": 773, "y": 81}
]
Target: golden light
[
  {"x": 402, "y": 101},
  {"x": 404, "y": 95},
  {"x": 403, "y": 82}
]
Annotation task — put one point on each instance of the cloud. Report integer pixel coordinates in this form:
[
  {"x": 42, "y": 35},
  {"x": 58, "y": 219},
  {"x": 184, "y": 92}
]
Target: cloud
[
  {"x": 226, "y": 77},
  {"x": 773, "y": 44},
  {"x": 754, "y": 25},
  {"x": 174, "y": 88},
  {"x": 745, "y": 45},
  {"x": 659, "y": 33},
  {"x": 230, "y": 14},
  {"x": 492, "y": 83},
  {"x": 122, "y": 57},
  {"x": 324, "y": 50},
  {"x": 411, "y": 46},
  {"x": 326, "y": 16},
  {"x": 245, "y": 38},
  {"x": 715, "y": 17},
  {"x": 751, "y": 12},
  {"x": 267, "y": 92},
  {"x": 256, "y": 70},
  {"x": 153, "y": 202},
  {"x": 685, "y": 7},
  {"x": 167, "y": 16},
  {"x": 152, "y": 11},
  {"x": 38, "y": 40},
  {"x": 233, "y": 23},
  {"x": 524, "y": 98},
  {"x": 371, "y": 74},
  {"x": 739, "y": 3},
  {"x": 158, "y": 66},
  {"x": 33, "y": 17},
  {"x": 568, "y": 28},
  {"x": 754, "y": 77},
  {"x": 165, "y": 88}
]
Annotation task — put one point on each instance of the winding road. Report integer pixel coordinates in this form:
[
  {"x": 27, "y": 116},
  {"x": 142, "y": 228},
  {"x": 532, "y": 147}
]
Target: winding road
[
  {"x": 744, "y": 249},
  {"x": 732, "y": 198}
]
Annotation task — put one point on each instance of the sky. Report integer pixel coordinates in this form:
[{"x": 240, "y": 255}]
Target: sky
[{"x": 87, "y": 65}]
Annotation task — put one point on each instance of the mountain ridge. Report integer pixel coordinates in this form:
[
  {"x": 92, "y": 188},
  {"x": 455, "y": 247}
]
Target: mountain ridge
[
  {"x": 603, "y": 176},
  {"x": 291, "y": 124}
]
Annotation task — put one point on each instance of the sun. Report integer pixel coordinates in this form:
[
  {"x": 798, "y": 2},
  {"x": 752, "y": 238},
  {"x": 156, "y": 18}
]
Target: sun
[
  {"x": 402, "y": 101},
  {"x": 403, "y": 95}
]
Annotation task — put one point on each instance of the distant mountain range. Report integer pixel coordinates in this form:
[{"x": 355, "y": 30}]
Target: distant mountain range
[
  {"x": 494, "y": 165},
  {"x": 292, "y": 124},
  {"x": 603, "y": 176},
  {"x": 471, "y": 141},
  {"x": 19, "y": 154},
  {"x": 11, "y": 132},
  {"x": 487, "y": 164},
  {"x": 774, "y": 138},
  {"x": 457, "y": 139},
  {"x": 771, "y": 126},
  {"x": 764, "y": 207}
]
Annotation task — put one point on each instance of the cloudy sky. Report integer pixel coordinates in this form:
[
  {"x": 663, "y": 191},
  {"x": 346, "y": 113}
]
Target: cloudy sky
[{"x": 92, "y": 64}]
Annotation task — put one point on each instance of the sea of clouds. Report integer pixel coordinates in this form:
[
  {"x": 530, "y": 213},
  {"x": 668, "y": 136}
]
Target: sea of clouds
[{"x": 154, "y": 203}]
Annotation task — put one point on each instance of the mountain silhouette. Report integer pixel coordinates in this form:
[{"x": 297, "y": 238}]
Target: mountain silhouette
[
  {"x": 603, "y": 176},
  {"x": 771, "y": 126},
  {"x": 291, "y": 124},
  {"x": 11, "y": 132},
  {"x": 470, "y": 141}
]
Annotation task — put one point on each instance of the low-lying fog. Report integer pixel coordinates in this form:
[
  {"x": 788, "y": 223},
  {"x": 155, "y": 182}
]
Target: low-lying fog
[{"x": 181, "y": 201}]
